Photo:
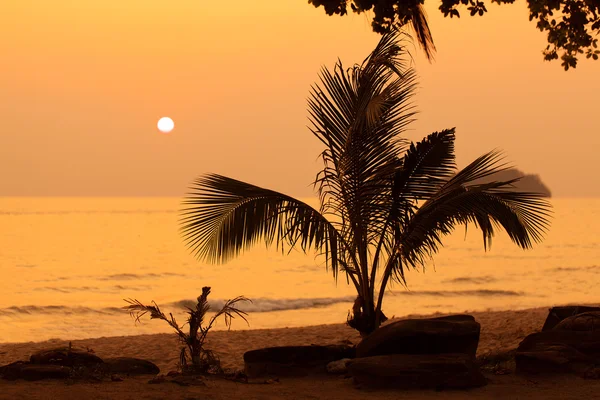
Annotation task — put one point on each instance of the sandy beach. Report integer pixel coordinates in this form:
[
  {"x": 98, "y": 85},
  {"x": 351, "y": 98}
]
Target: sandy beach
[
  {"x": 501, "y": 332},
  {"x": 320, "y": 168}
]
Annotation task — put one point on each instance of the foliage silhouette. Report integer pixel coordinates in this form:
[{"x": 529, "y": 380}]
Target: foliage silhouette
[
  {"x": 203, "y": 360},
  {"x": 385, "y": 203},
  {"x": 571, "y": 24},
  {"x": 526, "y": 182}
]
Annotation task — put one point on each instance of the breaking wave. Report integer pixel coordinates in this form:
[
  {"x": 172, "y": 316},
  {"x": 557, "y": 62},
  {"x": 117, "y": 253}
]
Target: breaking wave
[
  {"x": 129, "y": 276},
  {"x": 263, "y": 304},
  {"x": 457, "y": 293},
  {"x": 571, "y": 269},
  {"x": 478, "y": 280},
  {"x": 63, "y": 310},
  {"x": 258, "y": 304}
]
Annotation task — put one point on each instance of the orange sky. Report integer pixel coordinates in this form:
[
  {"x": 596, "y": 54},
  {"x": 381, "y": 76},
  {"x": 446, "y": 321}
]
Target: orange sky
[{"x": 83, "y": 83}]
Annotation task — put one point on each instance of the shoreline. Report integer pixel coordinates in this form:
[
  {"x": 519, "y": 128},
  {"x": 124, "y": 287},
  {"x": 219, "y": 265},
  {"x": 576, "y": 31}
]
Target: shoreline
[
  {"x": 242, "y": 327},
  {"x": 501, "y": 331}
]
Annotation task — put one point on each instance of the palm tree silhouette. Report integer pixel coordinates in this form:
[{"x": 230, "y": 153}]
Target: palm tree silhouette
[{"x": 385, "y": 203}]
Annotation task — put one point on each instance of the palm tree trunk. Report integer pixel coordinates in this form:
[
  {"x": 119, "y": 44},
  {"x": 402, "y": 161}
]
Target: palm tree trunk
[
  {"x": 368, "y": 298},
  {"x": 386, "y": 276}
]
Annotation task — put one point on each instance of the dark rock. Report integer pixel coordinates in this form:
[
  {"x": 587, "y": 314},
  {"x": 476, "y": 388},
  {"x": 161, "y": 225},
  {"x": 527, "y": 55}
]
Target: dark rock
[
  {"x": 88, "y": 372},
  {"x": 587, "y": 321},
  {"x": 552, "y": 358},
  {"x": 12, "y": 371},
  {"x": 451, "y": 334},
  {"x": 531, "y": 183},
  {"x": 439, "y": 371},
  {"x": 130, "y": 366},
  {"x": 65, "y": 356},
  {"x": 557, "y": 314},
  {"x": 116, "y": 378},
  {"x": 293, "y": 360},
  {"x": 187, "y": 380},
  {"x": 554, "y": 351},
  {"x": 587, "y": 342},
  {"x": 34, "y": 372},
  {"x": 157, "y": 379}
]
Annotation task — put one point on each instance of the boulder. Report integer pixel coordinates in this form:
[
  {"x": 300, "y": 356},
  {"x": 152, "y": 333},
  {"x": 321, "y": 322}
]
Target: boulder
[
  {"x": 558, "y": 350},
  {"x": 552, "y": 358},
  {"x": 587, "y": 321},
  {"x": 557, "y": 314},
  {"x": 439, "y": 371},
  {"x": 586, "y": 342},
  {"x": 293, "y": 360},
  {"x": 34, "y": 372},
  {"x": 66, "y": 356},
  {"x": 187, "y": 380},
  {"x": 130, "y": 366},
  {"x": 451, "y": 334},
  {"x": 12, "y": 371}
]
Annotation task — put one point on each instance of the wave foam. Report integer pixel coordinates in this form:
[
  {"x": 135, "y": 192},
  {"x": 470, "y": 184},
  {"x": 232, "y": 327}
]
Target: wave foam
[
  {"x": 258, "y": 305},
  {"x": 263, "y": 304}
]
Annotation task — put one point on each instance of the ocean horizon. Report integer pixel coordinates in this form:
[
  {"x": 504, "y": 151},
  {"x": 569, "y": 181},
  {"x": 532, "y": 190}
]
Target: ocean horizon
[{"x": 69, "y": 262}]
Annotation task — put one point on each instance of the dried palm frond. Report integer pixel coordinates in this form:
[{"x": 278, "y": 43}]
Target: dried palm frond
[{"x": 203, "y": 360}]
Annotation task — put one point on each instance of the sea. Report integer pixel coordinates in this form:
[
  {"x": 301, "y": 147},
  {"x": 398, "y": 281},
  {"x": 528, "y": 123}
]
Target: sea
[{"x": 67, "y": 265}]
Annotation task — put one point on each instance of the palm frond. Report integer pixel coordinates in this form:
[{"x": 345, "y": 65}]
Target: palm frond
[
  {"x": 424, "y": 169},
  {"x": 229, "y": 311},
  {"x": 421, "y": 27},
  {"x": 426, "y": 166},
  {"x": 358, "y": 114},
  {"x": 203, "y": 360},
  {"x": 524, "y": 216},
  {"x": 224, "y": 216},
  {"x": 482, "y": 167},
  {"x": 137, "y": 310}
]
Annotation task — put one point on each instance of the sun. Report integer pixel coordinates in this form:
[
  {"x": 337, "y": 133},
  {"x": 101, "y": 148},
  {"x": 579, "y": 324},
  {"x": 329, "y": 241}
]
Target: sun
[{"x": 165, "y": 124}]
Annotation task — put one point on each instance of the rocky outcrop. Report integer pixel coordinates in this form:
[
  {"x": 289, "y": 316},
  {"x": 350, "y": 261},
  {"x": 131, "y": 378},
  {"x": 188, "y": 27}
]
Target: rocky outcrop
[
  {"x": 557, "y": 314},
  {"x": 587, "y": 321},
  {"x": 420, "y": 353},
  {"x": 130, "y": 366},
  {"x": 439, "y": 371},
  {"x": 572, "y": 345},
  {"x": 293, "y": 360},
  {"x": 34, "y": 372},
  {"x": 451, "y": 334},
  {"x": 526, "y": 183},
  {"x": 65, "y": 356},
  {"x": 414, "y": 353},
  {"x": 70, "y": 363}
]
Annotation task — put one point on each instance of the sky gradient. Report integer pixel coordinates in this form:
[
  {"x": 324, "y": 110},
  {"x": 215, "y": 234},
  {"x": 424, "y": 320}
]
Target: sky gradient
[{"x": 84, "y": 84}]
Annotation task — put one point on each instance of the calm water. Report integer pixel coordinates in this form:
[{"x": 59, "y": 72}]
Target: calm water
[{"x": 68, "y": 263}]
